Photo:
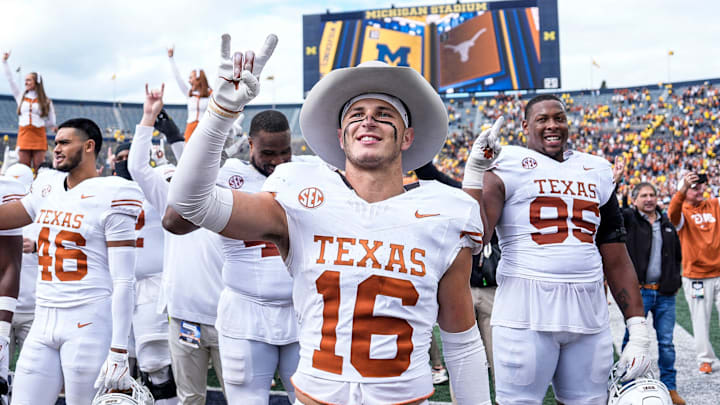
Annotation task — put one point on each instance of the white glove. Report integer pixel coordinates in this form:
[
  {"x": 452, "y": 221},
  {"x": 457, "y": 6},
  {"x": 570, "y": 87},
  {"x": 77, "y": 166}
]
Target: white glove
[
  {"x": 115, "y": 373},
  {"x": 239, "y": 78},
  {"x": 485, "y": 150},
  {"x": 635, "y": 359}
]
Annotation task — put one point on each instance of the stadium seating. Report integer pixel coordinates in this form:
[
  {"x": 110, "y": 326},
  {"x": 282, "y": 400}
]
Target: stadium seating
[{"x": 658, "y": 130}]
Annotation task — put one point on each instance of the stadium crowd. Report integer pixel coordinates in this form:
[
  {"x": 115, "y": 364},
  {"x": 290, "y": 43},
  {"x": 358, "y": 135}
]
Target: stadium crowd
[{"x": 659, "y": 134}]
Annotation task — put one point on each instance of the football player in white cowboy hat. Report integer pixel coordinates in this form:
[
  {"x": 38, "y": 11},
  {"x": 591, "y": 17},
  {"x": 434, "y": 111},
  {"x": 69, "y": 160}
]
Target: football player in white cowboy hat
[{"x": 375, "y": 264}]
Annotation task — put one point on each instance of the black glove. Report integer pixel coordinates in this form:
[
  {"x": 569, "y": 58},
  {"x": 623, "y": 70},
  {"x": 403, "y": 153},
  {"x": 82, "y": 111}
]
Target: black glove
[{"x": 167, "y": 126}]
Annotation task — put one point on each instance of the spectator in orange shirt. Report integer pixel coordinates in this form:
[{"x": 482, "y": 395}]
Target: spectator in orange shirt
[{"x": 696, "y": 220}]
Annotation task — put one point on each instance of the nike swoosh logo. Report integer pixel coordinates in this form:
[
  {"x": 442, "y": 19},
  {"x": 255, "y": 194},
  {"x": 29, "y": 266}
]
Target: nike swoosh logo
[
  {"x": 587, "y": 168},
  {"x": 83, "y": 196},
  {"x": 82, "y": 325},
  {"x": 419, "y": 215}
]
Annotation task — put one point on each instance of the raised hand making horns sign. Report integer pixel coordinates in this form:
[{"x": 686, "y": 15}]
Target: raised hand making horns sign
[{"x": 239, "y": 77}]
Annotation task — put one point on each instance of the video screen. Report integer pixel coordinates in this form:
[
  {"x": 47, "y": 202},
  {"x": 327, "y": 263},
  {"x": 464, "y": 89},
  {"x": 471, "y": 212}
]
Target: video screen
[{"x": 458, "y": 48}]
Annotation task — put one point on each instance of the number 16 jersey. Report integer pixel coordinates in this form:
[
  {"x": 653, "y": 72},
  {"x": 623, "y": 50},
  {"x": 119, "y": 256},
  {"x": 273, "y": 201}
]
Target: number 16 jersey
[{"x": 365, "y": 275}]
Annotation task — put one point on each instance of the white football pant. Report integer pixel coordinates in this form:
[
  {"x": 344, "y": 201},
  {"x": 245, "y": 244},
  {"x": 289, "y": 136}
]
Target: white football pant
[
  {"x": 65, "y": 345},
  {"x": 249, "y": 367},
  {"x": 527, "y": 361}
]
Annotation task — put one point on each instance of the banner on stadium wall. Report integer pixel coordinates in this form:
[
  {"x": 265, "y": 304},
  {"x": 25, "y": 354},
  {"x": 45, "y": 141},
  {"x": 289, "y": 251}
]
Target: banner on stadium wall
[{"x": 464, "y": 47}]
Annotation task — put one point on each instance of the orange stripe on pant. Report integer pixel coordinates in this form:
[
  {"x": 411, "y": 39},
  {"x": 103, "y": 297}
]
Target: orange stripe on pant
[
  {"x": 32, "y": 138},
  {"x": 189, "y": 129}
]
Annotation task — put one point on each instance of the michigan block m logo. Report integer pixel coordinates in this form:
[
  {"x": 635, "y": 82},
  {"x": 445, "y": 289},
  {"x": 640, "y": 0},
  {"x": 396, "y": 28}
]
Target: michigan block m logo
[{"x": 389, "y": 57}]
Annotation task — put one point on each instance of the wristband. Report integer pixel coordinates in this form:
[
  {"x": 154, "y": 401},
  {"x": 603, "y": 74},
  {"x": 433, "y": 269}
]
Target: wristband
[
  {"x": 222, "y": 112},
  {"x": 8, "y": 303}
]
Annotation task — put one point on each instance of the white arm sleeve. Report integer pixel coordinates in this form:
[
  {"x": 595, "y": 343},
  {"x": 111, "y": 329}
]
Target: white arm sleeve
[
  {"x": 181, "y": 83},
  {"x": 121, "y": 263},
  {"x": 177, "y": 149},
  {"x": 193, "y": 193},
  {"x": 13, "y": 86},
  {"x": 154, "y": 187},
  {"x": 466, "y": 362}
]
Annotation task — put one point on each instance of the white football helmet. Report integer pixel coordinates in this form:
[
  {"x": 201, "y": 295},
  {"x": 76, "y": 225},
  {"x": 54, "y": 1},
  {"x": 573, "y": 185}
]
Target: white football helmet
[
  {"x": 644, "y": 390},
  {"x": 138, "y": 395},
  {"x": 10, "y": 157},
  {"x": 21, "y": 173}
]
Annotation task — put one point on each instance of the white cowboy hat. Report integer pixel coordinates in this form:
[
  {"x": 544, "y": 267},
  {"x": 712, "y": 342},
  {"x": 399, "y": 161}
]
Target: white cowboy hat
[{"x": 320, "y": 114}]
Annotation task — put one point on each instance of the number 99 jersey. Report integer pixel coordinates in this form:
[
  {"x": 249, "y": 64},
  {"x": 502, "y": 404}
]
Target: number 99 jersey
[
  {"x": 72, "y": 243},
  {"x": 551, "y": 214},
  {"x": 366, "y": 274}
]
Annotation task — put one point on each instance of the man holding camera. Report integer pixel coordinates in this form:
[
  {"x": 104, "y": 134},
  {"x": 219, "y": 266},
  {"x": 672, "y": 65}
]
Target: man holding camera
[{"x": 695, "y": 218}]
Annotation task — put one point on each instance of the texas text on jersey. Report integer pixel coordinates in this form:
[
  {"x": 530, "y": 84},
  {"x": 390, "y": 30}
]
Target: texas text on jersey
[
  {"x": 552, "y": 213},
  {"x": 72, "y": 250},
  {"x": 368, "y": 302}
]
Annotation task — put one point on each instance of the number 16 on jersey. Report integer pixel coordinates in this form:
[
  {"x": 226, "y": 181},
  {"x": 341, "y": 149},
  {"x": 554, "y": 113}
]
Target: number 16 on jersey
[{"x": 365, "y": 324}]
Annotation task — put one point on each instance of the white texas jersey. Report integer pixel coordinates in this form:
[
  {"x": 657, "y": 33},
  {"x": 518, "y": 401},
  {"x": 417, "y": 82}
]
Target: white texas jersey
[
  {"x": 366, "y": 275},
  {"x": 11, "y": 190},
  {"x": 551, "y": 214},
  {"x": 71, "y": 244},
  {"x": 149, "y": 243},
  {"x": 252, "y": 268}
]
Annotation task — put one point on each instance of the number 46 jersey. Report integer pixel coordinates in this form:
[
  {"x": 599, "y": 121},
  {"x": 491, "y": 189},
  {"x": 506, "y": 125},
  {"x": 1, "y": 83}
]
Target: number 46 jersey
[
  {"x": 366, "y": 274},
  {"x": 71, "y": 245},
  {"x": 551, "y": 214}
]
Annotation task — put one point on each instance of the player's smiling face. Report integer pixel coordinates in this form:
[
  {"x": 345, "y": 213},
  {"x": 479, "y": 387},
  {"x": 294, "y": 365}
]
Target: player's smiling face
[
  {"x": 69, "y": 146},
  {"x": 547, "y": 128},
  {"x": 373, "y": 134},
  {"x": 269, "y": 149}
]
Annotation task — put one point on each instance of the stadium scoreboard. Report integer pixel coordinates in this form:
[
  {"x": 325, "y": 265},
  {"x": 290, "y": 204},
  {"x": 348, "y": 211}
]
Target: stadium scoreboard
[{"x": 462, "y": 47}]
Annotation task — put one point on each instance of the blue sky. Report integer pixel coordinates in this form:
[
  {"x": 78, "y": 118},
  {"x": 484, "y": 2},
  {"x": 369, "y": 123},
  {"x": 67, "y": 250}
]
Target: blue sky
[{"x": 77, "y": 46}]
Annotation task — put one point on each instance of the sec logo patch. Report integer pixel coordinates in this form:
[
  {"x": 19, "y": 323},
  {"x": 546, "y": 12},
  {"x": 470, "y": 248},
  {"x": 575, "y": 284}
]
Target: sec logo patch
[
  {"x": 311, "y": 197},
  {"x": 529, "y": 163},
  {"x": 235, "y": 182},
  {"x": 46, "y": 190}
]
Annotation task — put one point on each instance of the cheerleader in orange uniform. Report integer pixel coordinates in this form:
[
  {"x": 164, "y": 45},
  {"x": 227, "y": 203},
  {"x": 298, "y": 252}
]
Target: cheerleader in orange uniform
[
  {"x": 36, "y": 113},
  {"x": 198, "y": 94}
]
